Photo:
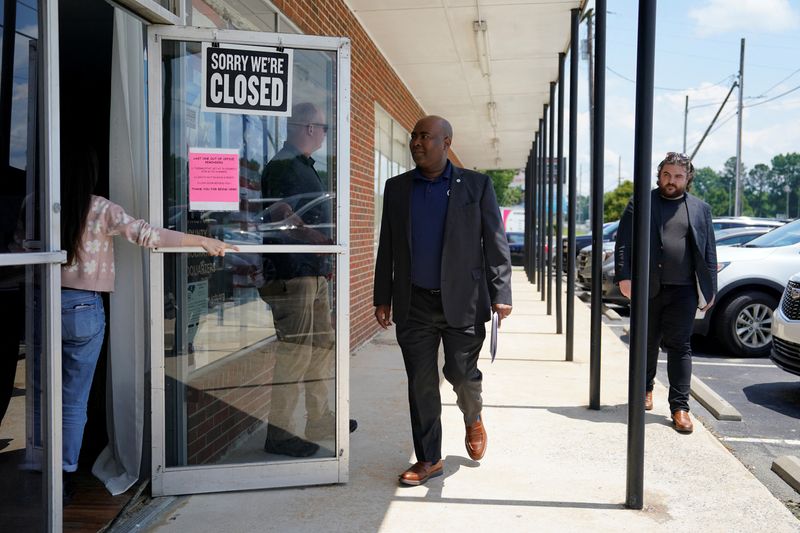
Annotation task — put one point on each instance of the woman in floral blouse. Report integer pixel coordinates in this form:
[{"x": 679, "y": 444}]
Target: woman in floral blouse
[{"x": 88, "y": 225}]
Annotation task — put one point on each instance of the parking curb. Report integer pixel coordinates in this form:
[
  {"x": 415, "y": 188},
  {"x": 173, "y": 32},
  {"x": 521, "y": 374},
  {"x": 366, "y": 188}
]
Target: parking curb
[
  {"x": 611, "y": 314},
  {"x": 788, "y": 469},
  {"x": 712, "y": 401}
]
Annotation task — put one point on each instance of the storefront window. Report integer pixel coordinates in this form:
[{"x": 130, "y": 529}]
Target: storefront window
[
  {"x": 249, "y": 342},
  {"x": 20, "y": 194},
  {"x": 392, "y": 157},
  {"x": 253, "y": 15}
]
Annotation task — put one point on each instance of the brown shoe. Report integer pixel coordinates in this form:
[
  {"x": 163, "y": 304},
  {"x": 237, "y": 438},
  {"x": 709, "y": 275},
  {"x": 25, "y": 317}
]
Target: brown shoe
[
  {"x": 475, "y": 440},
  {"x": 421, "y": 472},
  {"x": 681, "y": 422},
  {"x": 648, "y": 400}
]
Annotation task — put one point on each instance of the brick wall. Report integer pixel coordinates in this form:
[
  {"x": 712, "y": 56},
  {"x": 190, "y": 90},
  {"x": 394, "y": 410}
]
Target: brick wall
[
  {"x": 228, "y": 402},
  {"x": 373, "y": 80}
]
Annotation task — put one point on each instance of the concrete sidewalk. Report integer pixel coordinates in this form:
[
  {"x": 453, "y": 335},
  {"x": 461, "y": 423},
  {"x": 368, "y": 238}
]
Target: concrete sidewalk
[{"x": 551, "y": 463}]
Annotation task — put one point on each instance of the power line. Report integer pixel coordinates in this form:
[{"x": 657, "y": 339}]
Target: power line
[
  {"x": 783, "y": 80},
  {"x": 775, "y": 97},
  {"x": 726, "y": 78}
]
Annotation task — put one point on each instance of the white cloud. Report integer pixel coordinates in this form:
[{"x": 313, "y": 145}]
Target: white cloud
[{"x": 721, "y": 16}]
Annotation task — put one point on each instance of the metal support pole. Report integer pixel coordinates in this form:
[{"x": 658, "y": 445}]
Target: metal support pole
[
  {"x": 533, "y": 225},
  {"x": 643, "y": 146},
  {"x": 598, "y": 178},
  {"x": 537, "y": 204},
  {"x": 550, "y": 179},
  {"x": 560, "y": 195},
  {"x": 543, "y": 204},
  {"x": 526, "y": 246},
  {"x": 573, "y": 182}
]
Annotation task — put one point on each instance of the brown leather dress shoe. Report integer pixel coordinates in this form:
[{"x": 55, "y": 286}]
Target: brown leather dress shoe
[
  {"x": 648, "y": 400},
  {"x": 681, "y": 422},
  {"x": 475, "y": 440},
  {"x": 421, "y": 472}
]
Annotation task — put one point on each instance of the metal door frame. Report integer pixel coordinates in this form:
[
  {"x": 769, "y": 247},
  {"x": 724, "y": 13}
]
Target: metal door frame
[{"x": 230, "y": 477}]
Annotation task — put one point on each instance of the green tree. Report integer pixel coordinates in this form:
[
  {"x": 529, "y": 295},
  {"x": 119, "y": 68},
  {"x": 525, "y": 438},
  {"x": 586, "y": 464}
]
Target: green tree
[
  {"x": 501, "y": 179},
  {"x": 786, "y": 168},
  {"x": 714, "y": 189},
  {"x": 728, "y": 177},
  {"x": 614, "y": 202}
]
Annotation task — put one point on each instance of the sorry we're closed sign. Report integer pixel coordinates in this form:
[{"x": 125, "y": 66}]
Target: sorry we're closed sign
[{"x": 248, "y": 80}]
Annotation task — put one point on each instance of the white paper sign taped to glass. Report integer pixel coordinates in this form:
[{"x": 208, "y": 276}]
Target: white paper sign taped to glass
[{"x": 246, "y": 80}]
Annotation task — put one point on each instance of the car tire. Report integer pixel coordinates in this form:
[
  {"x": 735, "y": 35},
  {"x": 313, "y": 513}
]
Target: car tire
[{"x": 744, "y": 325}]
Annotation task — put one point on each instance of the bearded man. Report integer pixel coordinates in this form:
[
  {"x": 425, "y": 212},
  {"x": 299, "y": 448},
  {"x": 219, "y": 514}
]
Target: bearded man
[{"x": 683, "y": 277}]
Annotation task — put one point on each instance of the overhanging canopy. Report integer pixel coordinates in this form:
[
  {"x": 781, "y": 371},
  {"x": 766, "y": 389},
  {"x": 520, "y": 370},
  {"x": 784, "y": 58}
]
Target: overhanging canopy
[{"x": 485, "y": 65}]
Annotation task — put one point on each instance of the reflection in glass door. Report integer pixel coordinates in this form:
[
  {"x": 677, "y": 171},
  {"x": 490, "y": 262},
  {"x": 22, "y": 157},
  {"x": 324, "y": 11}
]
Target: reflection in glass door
[{"x": 251, "y": 355}]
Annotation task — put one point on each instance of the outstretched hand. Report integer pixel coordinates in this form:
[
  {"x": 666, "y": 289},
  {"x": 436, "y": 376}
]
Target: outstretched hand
[{"x": 216, "y": 247}]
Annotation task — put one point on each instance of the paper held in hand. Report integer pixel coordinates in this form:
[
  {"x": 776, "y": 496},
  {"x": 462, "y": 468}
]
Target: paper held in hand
[{"x": 493, "y": 338}]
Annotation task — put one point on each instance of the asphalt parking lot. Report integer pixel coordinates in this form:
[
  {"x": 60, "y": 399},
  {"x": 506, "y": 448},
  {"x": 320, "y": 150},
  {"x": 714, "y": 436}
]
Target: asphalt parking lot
[{"x": 767, "y": 398}]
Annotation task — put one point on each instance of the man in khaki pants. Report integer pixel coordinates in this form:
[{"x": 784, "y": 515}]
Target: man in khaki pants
[{"x": 297, "y": 289}]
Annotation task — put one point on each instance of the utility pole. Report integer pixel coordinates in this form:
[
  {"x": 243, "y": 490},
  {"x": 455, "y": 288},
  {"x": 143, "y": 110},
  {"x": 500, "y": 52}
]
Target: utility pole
[
  {"x": 737, "y": 206},
  {"x": 685, "y": 120}
]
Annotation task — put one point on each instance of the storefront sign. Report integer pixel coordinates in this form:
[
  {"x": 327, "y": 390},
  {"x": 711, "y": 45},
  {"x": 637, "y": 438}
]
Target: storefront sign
[
  {"x": 213, "y": 179},
  {"x": 247, "y": 80}
]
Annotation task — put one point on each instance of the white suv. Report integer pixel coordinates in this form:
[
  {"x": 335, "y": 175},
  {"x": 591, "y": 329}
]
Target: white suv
[
  {"x": 750, "y": 283},
  {"x": 786, "y": 329}
]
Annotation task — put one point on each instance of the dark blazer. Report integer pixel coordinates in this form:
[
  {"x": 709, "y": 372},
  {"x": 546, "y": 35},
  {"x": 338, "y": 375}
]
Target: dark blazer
[
  {"x": 704, "y": 247},
  {"x": 476, "y": 265}
]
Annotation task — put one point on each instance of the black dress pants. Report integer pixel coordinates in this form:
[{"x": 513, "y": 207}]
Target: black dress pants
[
  {"x": 419, "y": 337},
  {"x": 670, "y": 322}
]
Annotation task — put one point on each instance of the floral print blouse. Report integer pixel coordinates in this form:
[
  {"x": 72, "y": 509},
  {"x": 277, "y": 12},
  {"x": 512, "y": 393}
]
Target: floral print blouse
[{"x": 93, "y": 268}]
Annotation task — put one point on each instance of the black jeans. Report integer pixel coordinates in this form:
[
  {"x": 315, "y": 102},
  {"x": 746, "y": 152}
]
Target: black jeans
[
  {"x": 670, "y": 323},
  {"x": 419, "y": 337}
]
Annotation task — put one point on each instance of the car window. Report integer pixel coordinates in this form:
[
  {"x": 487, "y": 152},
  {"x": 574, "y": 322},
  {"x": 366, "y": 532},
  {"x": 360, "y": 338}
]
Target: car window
[
  {"x": 610, "y": 231},
  {"x": 782, "y": 236},
  {"x": 516, "y": 238}
]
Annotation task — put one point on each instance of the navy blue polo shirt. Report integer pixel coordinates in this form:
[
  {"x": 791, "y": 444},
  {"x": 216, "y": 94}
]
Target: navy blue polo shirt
[{"x": 428, "y": 213}]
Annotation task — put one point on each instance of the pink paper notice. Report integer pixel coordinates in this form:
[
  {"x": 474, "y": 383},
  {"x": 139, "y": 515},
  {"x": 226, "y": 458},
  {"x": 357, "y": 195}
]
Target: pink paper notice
[{"x": 213, "y": 179}]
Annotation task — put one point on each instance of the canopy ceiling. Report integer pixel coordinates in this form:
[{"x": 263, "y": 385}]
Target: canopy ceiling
[{"x": 456, "y": 67}]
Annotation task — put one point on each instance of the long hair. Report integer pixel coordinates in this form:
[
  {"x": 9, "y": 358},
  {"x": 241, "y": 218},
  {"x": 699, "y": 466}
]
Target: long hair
[{"x": 79, "y": 170}]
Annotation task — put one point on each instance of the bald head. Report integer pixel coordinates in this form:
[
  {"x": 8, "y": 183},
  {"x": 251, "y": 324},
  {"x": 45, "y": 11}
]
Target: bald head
[
  {"x": 429, "y": 144},
  {"x": 306, "y": 127}
]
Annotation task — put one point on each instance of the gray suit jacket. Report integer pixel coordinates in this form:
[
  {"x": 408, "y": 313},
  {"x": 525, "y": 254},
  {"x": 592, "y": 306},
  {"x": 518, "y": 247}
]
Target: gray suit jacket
[
  {"x": 476, "y": 265},
  {"x": 704, "y": 247}
]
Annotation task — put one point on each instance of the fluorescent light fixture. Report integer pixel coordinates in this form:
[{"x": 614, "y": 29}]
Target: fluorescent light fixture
[
  {"x": 482, "y": 45},
  {"x": 493, "y": 113}
]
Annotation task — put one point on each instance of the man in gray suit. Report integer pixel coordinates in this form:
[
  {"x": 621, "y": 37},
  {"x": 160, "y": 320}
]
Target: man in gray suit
[
  {"x": 443, "y": 264},
  {"x": 683, "y": 277}
]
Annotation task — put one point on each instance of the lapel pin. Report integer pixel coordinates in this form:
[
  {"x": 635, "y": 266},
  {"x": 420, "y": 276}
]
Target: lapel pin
[{"x": 458, "y": 180}]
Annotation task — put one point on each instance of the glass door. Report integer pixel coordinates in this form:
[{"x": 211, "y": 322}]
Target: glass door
[{"x": 249, "y": 352}]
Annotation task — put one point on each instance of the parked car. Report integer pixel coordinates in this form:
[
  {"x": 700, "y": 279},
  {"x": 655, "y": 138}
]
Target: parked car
[
  {"x": 516, "y": 245},
  {"x": 739, "y": 236},
  {"x": 582, "y": 241},
  {"x": 583, "y": 277},
  {"x": 786, "y": 328},
  {"x": 741, "y": 222},
  {"x": 751, "y": 280}
]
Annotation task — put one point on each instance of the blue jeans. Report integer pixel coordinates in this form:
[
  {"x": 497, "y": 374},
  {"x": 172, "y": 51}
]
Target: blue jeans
[{"x": 83, "y": 325}]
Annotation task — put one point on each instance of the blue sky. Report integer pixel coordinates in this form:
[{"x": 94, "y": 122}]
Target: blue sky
[{"x": 697, "y": 53}]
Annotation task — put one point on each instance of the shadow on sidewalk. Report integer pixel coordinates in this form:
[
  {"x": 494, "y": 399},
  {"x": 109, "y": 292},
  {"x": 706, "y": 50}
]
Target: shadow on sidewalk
[{"x": 615, "y": 414}]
